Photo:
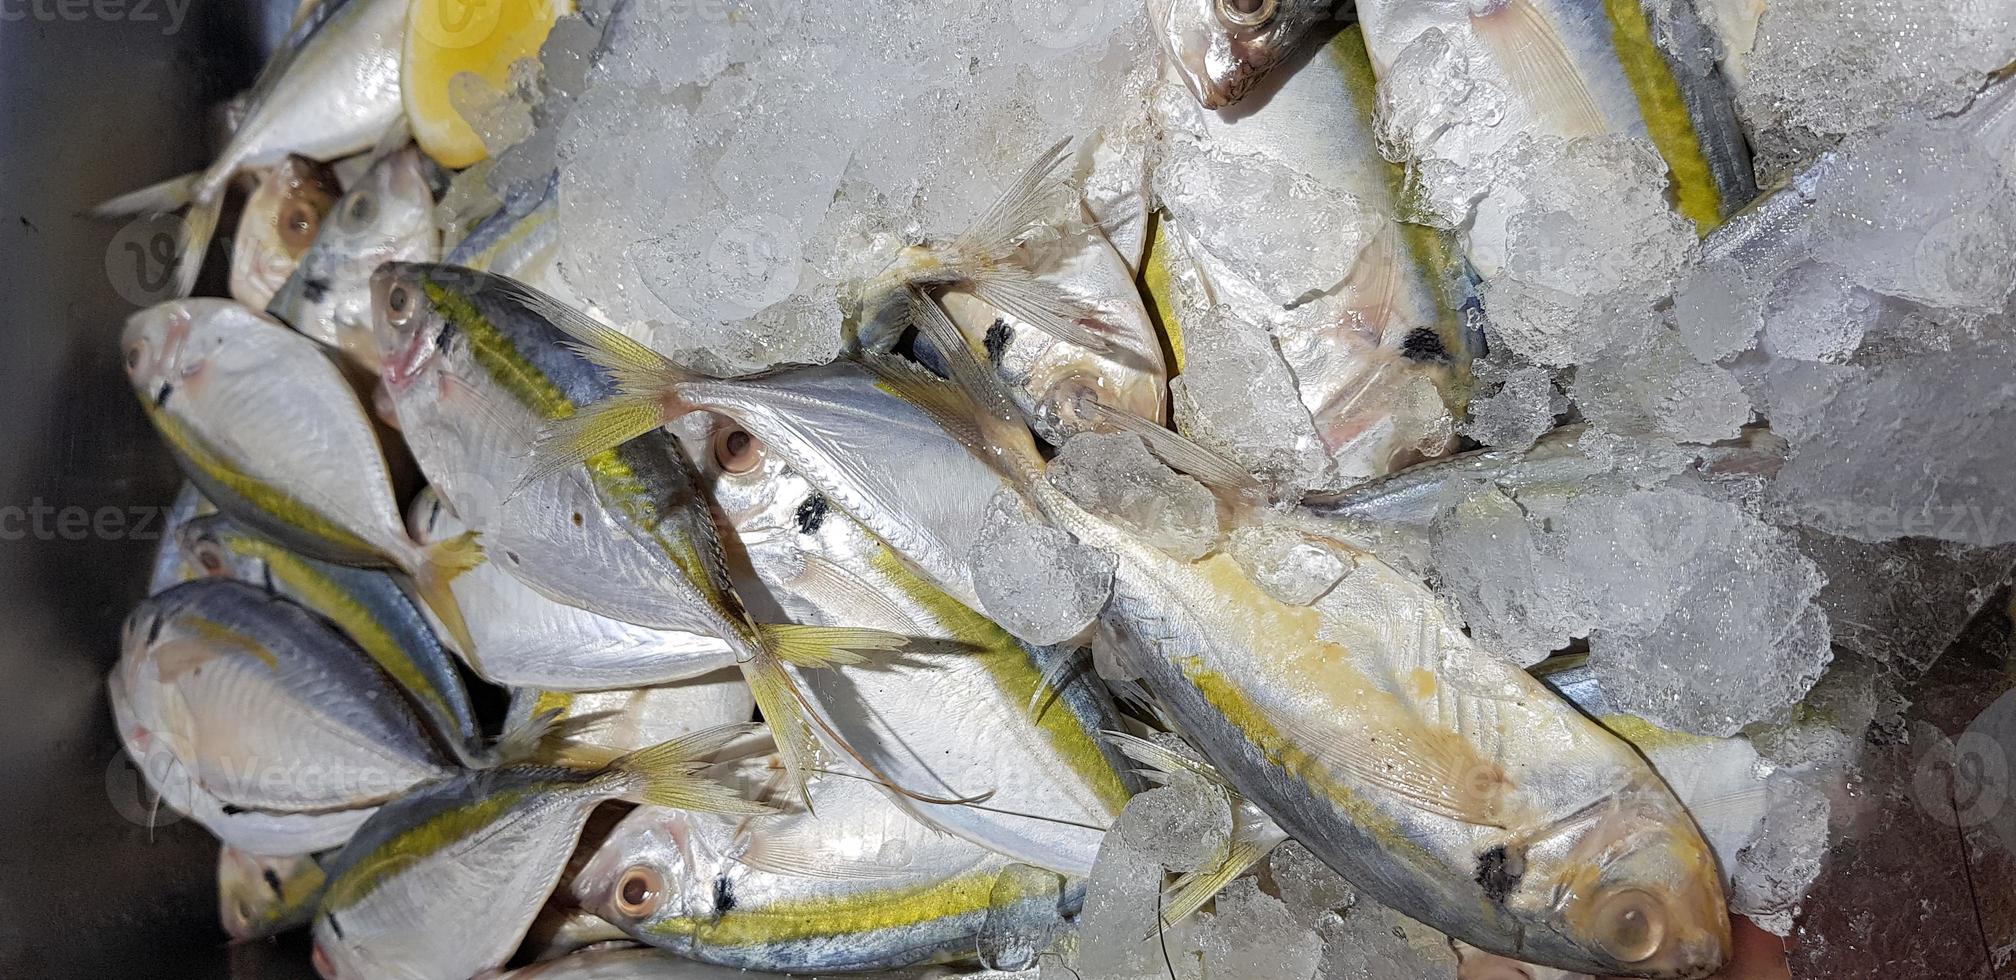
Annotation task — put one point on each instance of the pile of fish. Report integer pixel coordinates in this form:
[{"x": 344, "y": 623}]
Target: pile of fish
[{"x": 1218, "y": 489}]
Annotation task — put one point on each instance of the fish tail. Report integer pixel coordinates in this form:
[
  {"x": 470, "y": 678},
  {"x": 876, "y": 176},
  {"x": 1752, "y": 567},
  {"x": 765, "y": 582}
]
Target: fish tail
[
  {"x": 826, "y": 646},
  {"x": 989, "y": 256},
  {"x": 440, "y": 563},
  {"x": 668, "y": 774},
  {"x": 521, "y": 741},
  {"x": 192, "y": 239},
  {"x": 790, "y": 721}
]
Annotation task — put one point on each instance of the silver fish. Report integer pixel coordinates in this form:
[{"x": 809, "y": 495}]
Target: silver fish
[
  {"x": 279, "y": 222},
  {"x": 861, "y": 886},
  {"x": 1222, "y": 48},
  {"x": 172, "y": 566},
  {"x": 477, "y": 366},
  {"x": 529, "y": 640},
  {"x": 268, "y": 706},
  {"x": 369, "y": 606},
  {"x": 265, "y": 424},
  {"x": 333, "y": 90},
  {"x": 651, "y": 964},
  {"x": 966, "y": 710},
  {"x": 627, "y": 720},
  {"x": 388, "y": 216},
  {"x": 498, "y": 837}
]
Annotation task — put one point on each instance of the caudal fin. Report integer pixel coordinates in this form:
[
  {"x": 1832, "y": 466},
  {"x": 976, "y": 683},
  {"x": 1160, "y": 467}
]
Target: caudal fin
[
  {"x": 192, "y": 238},
  {"x": 441, "y": 562},
  {"x": 668, "y": 774}
]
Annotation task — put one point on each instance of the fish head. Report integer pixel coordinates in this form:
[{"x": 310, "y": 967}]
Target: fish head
[
  {"x": 656, "y": 869},
  {"x": 410, "y": 328},
  {"x": 772, "y": 509},
  {"x": 388, "y": 216},
  {"x": 1222, "y": 48},
  {"x": 257, "y": 894},
  {"x": 1627, "y": 888},
  {"x": 281, "y": 218},
  {"x": 163, "y": 347},
  {"x": 215, "y": 546}
]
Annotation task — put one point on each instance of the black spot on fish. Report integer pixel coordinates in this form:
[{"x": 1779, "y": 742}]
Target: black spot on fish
[
  {"x": 161, "y": 397},
  {"x": 230, "y": 811},
  {"x": 272, "y": 880},
  {"x": 153, "y": 632},
  {"x": 1423, "y": 344},
  {"x": 314, "y": 288},
  {"x": 998, "y": 337},
  {"x": 724, "y": 896},
  {"x": 811, "y": 514},
  {"x": 1498, "y": 873},
  {"x": 334, "y": 926}
]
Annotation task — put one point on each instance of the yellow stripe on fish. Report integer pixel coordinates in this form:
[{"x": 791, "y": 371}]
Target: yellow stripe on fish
[
  {"x": 263, "y": 496},
  {"x": 1665, "y": 112},
  {"x": 818, "y": 918}
]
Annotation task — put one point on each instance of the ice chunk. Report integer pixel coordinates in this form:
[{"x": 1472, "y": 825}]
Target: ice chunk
[
  {"x": 1284, "y": 563},
  {"x": 1717, "y": 310},
  {"x": 1658, "y": 389},
  {"x": 1578, "y": 244},
  {"x": 1904, "y": 602},
  {"x": 1815, "y": 314},
  {"x": 1914, "y": 447},
  {"x": 1373, "y": 942},
  {"x": 1115, "y": 476},
  {"x": 501, "y": 118},
  {"x": 1771, "y": 875},
  {"x": 1236, "y": 396},
  {"x": 1431, "y": 111},
  {"x": 1490, "y": 564},
  {"x": 1312, "y": 892},
  {"x": 1119, "y": 932},
  {"x": 1520, "y": 407},
  {"x": 1250, "y": 935},
  {"x": 1186, "y": 825},
  {"x": 1038, "y": 582}
]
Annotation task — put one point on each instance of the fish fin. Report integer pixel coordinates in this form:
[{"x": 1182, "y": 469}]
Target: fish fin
[
  {"x": 523, "y": 740},
  {"x": 169, "y": 195},
  {"x": 668, "y": 774},
  {"x": 1163, "y": 762},
  {"x": 792, "y": 855},
  {"x": 1192, "y": 889},
  {"x": 790, "y": 720},
  {"x": 1220, "y": 474},
  {"x": 636, "y": 367},
  {"x": 1527, "y": 48},
  {"x": 1050, "y": 686},
  {"x": 943, "y": 401},
  {"x": 824, "y": 576},
  {"x": 596, "y": 429},
  {"x": 826, "y": 646},
  {"x": 1436, "y": 771},
  {"x": 441, "y": 562},
  {"x": 1036, "y": 301},
  {"x": 199, "y": 223},
  {"x": 1021, "y": 206}
]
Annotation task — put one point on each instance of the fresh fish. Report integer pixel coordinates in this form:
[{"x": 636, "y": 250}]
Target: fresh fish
[
  {"x": 172, "y": 566},
  {"x": 1222, "y": 48},
  {"x": 264, "y": 423},
  {"x": 628, "y": 720},
  {"x": 253, "y": 831},
  {"x": 333, "y": 90},
  {"x": 651, "y": 964},
  {"x": 1574, "y": 68},
  {"x": 521, "y": 239},
  {"x": 370, "y": 608},
  {"x": 966, "y": 710},
  {"x": 529, "y": 640},
  {"x": 267, "y": 706},
  {"x": 279, "y": 222},
  {"x": 1366, "y": 314},
  {"x": 1432, "y": 773},
  {"x": 861, "y": 886},
  {"x": 497, "y": 838},
  {"x": 1063, "y": 265},
  {"x": 388, "y": 216},
  {"x": 261, "y": 896},
  {"x": 477, "y": 366}
]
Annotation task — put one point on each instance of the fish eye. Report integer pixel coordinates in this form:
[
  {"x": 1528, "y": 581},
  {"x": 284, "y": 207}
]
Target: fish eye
[
  {"x": 361, "y": 209},
  {"x": 736, "y": 451},
  {"x": 1246, "y": 14},
  {"x": 639, "y": 892},
  {"x": 133, "y": 357},
  {"x": 297, "y": 227},
  {"x": 398, "y": 305},
  {"x": 1630, "y": 925}
]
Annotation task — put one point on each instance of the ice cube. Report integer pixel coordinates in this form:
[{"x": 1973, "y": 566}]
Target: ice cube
[
  {"x": 1373, "y": 942},
  {"x": 1514, "y": 404},
  {"x": 1115, "y": 476},
  {"x": 1772, "y": 874},
  {"x": 1312, "y": 892},
  {"x": 1903, "y": 602},
  {"x": 1717, "y": 310},
  {"x": 1038, "y": 582},
  {"x": 1658, "y": 389},
  {"x": 1285, "y": 563},
  {"x": 1815, "y": 314},
  {"x": 1236, "y": 396},
  {"x": 1250, "y": 935},
  {"x": 1431, "y": 112},
  {"x": 1119, "y": 932}
]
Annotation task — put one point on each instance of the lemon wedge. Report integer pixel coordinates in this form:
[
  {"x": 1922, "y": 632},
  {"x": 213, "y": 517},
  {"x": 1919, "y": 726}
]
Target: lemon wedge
[{"x": 444, "y": 39}]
